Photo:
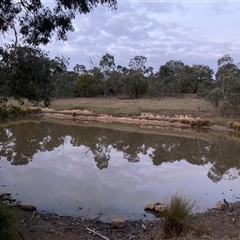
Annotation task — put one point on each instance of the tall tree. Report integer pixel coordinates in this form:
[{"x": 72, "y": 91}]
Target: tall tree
[
  {"x": 106, "y": 64},
  {"x": 138, "y": 63},
  {"x": 38, "y": 22},
  {"x": 80, "y": 69},
  {"x": 227, "y": 75},
  {"x": 28, "y": 73}
]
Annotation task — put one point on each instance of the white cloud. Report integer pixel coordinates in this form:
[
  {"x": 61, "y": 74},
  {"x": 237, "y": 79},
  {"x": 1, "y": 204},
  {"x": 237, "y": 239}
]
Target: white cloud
[{"x": 193, "y": 32}]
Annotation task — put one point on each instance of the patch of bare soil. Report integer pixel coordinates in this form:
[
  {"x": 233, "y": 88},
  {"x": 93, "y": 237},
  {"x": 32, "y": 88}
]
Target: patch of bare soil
[
  {"x": 143, "y": 119},
  {"x": 213, "y": 224}
]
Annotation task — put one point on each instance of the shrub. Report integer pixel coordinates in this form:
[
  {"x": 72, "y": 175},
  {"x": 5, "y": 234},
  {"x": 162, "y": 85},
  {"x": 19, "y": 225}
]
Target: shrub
[
  {"x": 184, "y": 121},
  {"x": 193, "y": 123},
  {"x": 206, "y": 122},
  {"x": 8, "y": 230},
  {"x": 235, "y": 125},
  {"x": 178, "y": 216},
  {"x": 230, "y": 124},
  {"x": 199, "y": 122},
  {"x": 74, "y": 114}
]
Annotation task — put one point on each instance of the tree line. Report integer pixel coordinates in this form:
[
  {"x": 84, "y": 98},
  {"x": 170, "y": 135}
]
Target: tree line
[{"x": 29, "y": 73}]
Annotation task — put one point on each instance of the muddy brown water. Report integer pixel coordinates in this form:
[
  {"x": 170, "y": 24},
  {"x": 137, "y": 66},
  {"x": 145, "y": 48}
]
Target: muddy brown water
[{"x": 90, "y": 171}]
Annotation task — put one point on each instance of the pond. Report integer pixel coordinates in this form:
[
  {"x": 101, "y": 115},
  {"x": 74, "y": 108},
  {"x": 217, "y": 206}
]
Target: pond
[{"x": 83, "y": 169}]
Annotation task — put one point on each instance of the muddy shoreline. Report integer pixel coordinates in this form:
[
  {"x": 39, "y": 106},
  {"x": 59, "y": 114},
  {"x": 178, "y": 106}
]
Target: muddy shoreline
[{"x": 212, "y": 224}]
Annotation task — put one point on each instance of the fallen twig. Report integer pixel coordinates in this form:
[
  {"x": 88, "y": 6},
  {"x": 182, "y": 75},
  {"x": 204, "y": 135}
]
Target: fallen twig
[
  {"x": 129, "y": 235},
  {"x": 31, "y": 218},
  {"x": 100, "y": 235}
]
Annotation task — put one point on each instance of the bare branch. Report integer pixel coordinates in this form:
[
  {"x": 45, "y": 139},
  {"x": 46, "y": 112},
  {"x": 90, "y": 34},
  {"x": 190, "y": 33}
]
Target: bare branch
[
  {"x": 93, "y": 61},
  {"x": 94, "y": 232}
]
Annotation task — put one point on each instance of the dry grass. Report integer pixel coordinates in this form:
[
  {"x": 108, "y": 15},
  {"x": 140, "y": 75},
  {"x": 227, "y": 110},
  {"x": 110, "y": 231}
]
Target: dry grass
[
  {"x": 8, "y": 229},
  {"x": 114, "y": 106},
  {"x": 178, "y": 216}
]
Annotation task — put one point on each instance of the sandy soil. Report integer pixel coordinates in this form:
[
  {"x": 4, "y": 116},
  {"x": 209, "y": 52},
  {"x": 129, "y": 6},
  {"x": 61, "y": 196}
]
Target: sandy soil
[{"x": 143, "y": 119}]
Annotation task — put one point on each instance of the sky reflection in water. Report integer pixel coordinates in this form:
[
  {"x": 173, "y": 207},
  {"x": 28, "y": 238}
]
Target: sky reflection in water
[{"x": 87, "y": 171}]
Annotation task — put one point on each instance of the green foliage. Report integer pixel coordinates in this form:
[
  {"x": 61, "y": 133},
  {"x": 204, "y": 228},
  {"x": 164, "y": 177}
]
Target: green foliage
[
  {"x": 234, "y": 125},
  {"x": 37, "y": 22},
  {"x": 9, "y": 111},
  {"x": 200, "y": 122},
  {"x": 86, "y": 86},
  {"x": 215, "y": 96},
  {"x": 177, "y": 218},
  {"x": 27, "y": 74},
  {"x": 8, "y": 230}
]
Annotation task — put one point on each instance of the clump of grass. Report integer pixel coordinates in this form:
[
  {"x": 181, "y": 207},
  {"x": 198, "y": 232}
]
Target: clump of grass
[
  {"x": 236, "y": 126},
  {"x": 200, "y": 122},
  {"x": 230, "y": 124},
  {"x": 193, "y": 123},
  {"x": 185, "y": 121},
  {"x": 178, "y": 216},
  {"x": 8, "y": 230},
  {"x": 206, "y": 122}
]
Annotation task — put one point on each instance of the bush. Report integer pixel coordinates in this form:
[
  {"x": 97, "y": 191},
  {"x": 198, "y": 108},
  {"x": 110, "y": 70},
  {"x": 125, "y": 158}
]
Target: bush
[
  {"x": 184, "y": 121},
  {"x": 8, "y": 230},
  {"x": 193, "y": 123},
  {"x": 235, "y": 125},
  {"x": 178, "y": 216},
  {"x": 199, "y": 122},
  {"x": 230, "y": 124},
  {"x": 206, "y": 122},
  {"x": 74, "y": 114}
]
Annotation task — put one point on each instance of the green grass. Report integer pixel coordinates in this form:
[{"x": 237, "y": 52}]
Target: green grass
[
  {"x": 8, "y": 229},
  {"x": 178, "y": 217}
]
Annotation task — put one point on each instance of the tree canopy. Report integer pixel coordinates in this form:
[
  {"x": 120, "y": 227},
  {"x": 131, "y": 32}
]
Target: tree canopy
[{"x": 37, "y": 22}]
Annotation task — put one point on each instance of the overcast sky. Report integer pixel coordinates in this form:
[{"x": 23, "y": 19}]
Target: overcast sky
[{"x": 195, "y": 32}]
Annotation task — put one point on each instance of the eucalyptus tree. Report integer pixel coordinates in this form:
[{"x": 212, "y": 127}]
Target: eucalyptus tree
[
  {"x": 203, "y": 76},
  {"x": 80, "y": 69},
  {"x": 138, "y": 63},
  {"x": 37, "y": 21},
  {"x": 227, "y": 75},
  {"x": 137, "y": 82},
  {"x": 26, "y": 74},
  {"x": 107, "y": 65}
]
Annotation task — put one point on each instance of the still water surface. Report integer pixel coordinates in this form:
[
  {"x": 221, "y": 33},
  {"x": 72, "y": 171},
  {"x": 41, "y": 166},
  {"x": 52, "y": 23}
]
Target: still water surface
[{"x": 81, "y": 170}]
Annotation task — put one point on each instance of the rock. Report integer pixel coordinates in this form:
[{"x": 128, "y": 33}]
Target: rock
[
  {"x": 160, "y": 207},
  {"x": 150, "y": 206},
  {"x": 220, "y": 205},
  {"x": 6, "y": 197},
  {"x": 118, "y": 222},
  {"x": 28, "y": 207}
]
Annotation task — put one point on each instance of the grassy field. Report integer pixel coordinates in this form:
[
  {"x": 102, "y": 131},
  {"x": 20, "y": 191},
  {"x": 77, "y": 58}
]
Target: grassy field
[{"x": 167, "y": 106}]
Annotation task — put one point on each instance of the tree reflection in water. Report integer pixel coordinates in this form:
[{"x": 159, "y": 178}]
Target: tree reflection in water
[{"x": 20, "y": 142}]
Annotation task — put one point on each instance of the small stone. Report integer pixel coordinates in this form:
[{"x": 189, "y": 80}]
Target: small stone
[
  {"x": 220, "y": 205},
  {"x": 6, "y": 197},
  {"x": 160, "y": 207},
  {"x": 118, "y": 222},
  {"x": 28, "y": 207},
  {"x": 150, "y": 206}
]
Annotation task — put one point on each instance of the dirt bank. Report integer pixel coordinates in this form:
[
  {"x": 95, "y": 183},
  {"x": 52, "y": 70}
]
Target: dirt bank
[
  {"x": 213, "y": 224},
  {"x": 147, "y": 119}
]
